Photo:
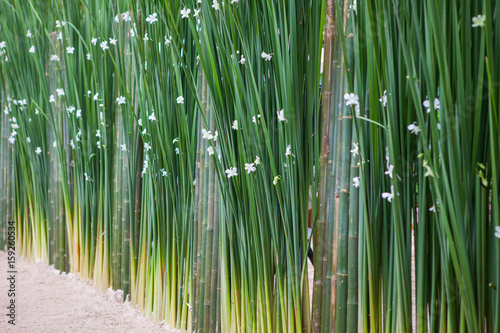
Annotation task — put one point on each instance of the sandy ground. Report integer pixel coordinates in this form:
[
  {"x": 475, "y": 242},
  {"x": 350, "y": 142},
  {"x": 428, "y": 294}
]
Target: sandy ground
[{"x": 48, "y": 302}]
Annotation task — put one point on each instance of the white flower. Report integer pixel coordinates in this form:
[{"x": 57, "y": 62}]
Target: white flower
[
  {"x": 185, "y": 12},
  {"x": 163, "y": 173},
  {"x": 152, "y": 18},
  {"x": 180, "y": 100},
  {"x": 276, "y": 180},
  {"x": 254, "y": 119},
  {"x": 207, "y": 134},
  {"x": 233, "y": 1},
  {"x": 351, "y": 99},
  {"x": 353, "y": 6},
  {"x": 146, "y": 165},
  {"x": 281, "y": 115},
  {"x": 389, "y": 196},
  {"x": 140, "y": 122},
  {"x": 432, "y": 209},
  {"x": 210, "y": 150},
  {"x": 177, "y": 151},
  {"x": 355, "y": 150},
  {"x": 257, "y": 160},
  {"x": 197, "y": 12},
  {"x": 54, "y": 144},
  {"x": 98, "y": 133},
  {"x": 78, "y": 113},
  {"x": 38, "y": 150},
  {"x": 93, "y": 40},
  {"x": 249, "y": 167},
  {"x": 152, "y": 117},
  {"x": 146, "y": 37},
  {"x": 478, "y": 21},
  {"x": 52, "y": 99},
  {"x": 147, "y": 146},
  {"x": 14, "y": 126},
  {"x": 104, "y": 45},
  {"x": 96, "y": 96},
  {"x": 70, "y": 50},
  {"x": 60, "y": 24},
  {"x": 167, "y": 41},
  {"x": 355, "y": 182},
  {"x": 242, "y": 60},
  {"x": 132, "y": 33},
  {"x": 235, "y": 125},
  {"x": 289, "y": 151},
  {"x": 32, "y": 49},
  {"x": 383, "y": 99},
  {"x": 389, "y": 172},
  {"x": 87, "y": 178},
  {"x": 113, "y": 41},
  {"x": 117, "y": 18},
  {"x": 28, "y": 34},
  {"x": 123, "y": 147},
  {"x": 232, "y": 172},
  {"x": 89, "y": 56},
  {"x": 72, "y": 144},
  {"x": 70, "y": 109},
  {"x": 215, "y": 5},
  {"x": 266, "y": 56},
  {"x": 427, "y": 105},
  {"x": 428, "y": 171},
  {"x": 60, "y": 92},
  {"x": 12, "y": 139},
  {"x": 126, "y": 17},
  {"x": 54, "y": 57},
  {"x": 414, "y": 128},
  {"x": 28, "y": 139},
  {"x": 3, "y": 45},
  {"x": 120, "y": 100},
  {"x": 497, "y": 232}
]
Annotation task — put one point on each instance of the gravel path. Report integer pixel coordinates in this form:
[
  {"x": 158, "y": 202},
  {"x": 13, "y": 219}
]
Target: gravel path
[{"x": 46, "y": 301}]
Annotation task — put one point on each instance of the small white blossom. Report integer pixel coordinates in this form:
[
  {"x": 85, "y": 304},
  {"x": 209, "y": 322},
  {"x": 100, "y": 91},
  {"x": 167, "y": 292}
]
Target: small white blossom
[
  {"x": 38, "y": 150},
  {"x": 180, "y": 100},
  {"x": 289, "y": 151},
  {"x": 78, "y": 113},
  {"x": 123, "y": 147},
  {"x": 152, "y": 18},
  {"x": 215, "y": 5},
  {"x": 210, "y": 150},
  {"x": 152, "y": 117},
  {"x": 355, "y": 150},
  {"x": 265, "y": 56},
  {"x": 98, "y": 133},
  {"x": 354, "y": 6},
  {"x": 28, "y": 139},
  {"x": 72, "y": 144},
  {"x": 28, "y": 34},
  {"x": 177, "y": 151},
  {"x": 235, "y": 125},
  {"x": 249, "y": 167},
  {"x": 52, "y": 99},
  {"x": 281, "y": 115},
  {"x": 121, "y": 100},
  {"x": 89, "y": 56},
  {"x": 104, "y": 45},
  {"x": 32, "y": 49},
  {"x": 351, "y": 99},
  {"x": 94, "y": 40},
  {"x": 54, "y": 57},
  {"x": 478, "y": 21},
  {"x": 113, "y": 41},
  {"x": 87, "y": 178},
  {"x": 232, "y": 172},
  {"x": 96, "y": 97},
  {"x": 242, "y": 60},
  {"x": 12, "y": 140},
  {"x": 60, "y": 92},
  {"x": 70, "y": 50},
  {"x": 196, "y": 12},
  {"x": 389, "y": 196},
  {"x": 389, "y": 171},
  {"x": 414, "y": 128},
  {"x": 185, "y": 12},
  {"x": 70, "y": 109},
  {"x": 216, "y": 134},
  {"x": 167, "y": 41},
  {"x": 427, "y": 105},
  {"x": 54, "y": 144},
  {"x": 126, "y": 17},
  {"x": 3, "y": 45},
  {"x": 147, "y": 146},
  {"x": 355, "y": 182},
  {"x": 432, "y": 209},
  {"x": 383, "y": 99},
  {"x": 257, "y": 160},
  {"x": 140, "y": 122},
  {"x": 497, "y": 232},
  {"x": 163, "y": 173},
  {"x": 207, "y": 134},
  {"x": 234, "y": 1},
  {"x": 276, "y": 180}
]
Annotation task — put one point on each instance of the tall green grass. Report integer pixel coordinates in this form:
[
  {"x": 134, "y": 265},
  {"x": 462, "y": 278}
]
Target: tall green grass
[{"x": 174, "y": 152}]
